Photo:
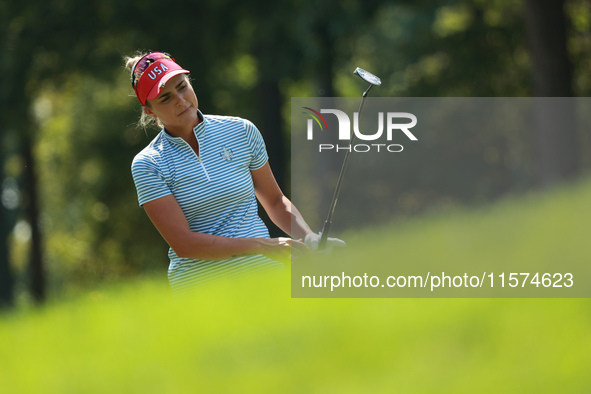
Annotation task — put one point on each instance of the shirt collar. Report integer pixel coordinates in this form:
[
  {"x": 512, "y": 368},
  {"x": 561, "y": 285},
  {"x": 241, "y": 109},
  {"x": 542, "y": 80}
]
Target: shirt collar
[{"x": 199, "y": 130}]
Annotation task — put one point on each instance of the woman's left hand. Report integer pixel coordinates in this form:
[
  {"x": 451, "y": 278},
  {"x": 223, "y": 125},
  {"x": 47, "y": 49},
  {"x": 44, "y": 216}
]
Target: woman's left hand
[{"x": 312, "y": 241}]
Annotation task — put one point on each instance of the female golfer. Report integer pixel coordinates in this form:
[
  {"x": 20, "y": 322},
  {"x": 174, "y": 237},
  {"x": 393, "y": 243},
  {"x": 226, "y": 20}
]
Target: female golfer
[{"x": 197, "y": 181}]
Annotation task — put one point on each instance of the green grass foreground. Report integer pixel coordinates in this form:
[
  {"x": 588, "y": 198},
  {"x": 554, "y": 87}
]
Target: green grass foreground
[{"x": 248, "y": 335}]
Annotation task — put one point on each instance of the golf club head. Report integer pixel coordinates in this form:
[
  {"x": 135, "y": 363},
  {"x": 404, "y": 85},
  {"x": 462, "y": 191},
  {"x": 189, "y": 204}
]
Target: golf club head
[{"x": 368, "y": 77}]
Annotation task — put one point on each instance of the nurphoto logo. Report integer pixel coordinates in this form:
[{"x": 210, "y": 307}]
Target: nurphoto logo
[{"x": 395, "y": 123}]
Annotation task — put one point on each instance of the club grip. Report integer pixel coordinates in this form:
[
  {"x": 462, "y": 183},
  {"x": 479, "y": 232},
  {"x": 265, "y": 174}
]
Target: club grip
[{"x": 324, "y": 235}]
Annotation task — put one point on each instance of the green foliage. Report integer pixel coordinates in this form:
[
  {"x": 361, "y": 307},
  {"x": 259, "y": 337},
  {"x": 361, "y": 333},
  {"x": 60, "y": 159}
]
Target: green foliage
[
  {"x": 579, "y": 14},
  {"x": 92, "y": 218},
  {"x": 457, "y": 48},
  {"x": 248, "y": 335}
]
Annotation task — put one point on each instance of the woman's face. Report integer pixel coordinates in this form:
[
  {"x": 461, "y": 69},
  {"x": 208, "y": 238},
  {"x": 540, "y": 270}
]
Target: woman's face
[{"x": 176, "y": 105}]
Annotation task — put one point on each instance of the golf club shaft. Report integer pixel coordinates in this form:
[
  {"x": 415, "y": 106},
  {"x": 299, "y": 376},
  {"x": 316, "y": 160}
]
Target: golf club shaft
[{"x": 335, "y": 196}]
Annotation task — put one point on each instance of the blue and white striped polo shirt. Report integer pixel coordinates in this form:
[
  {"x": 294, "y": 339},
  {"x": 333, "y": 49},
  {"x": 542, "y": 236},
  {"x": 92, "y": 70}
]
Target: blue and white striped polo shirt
[{"x": 214, "y": 190}]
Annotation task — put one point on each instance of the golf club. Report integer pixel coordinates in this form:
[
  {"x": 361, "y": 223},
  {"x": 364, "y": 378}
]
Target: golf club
[{"x": 373, "y": 81}]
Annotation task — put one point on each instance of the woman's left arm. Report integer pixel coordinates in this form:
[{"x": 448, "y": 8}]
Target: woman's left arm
[{"x": 281, "y": 211}]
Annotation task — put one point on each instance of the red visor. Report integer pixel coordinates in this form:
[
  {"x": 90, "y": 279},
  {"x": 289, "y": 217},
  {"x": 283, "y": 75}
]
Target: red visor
[{"x": 153, "y": 78}]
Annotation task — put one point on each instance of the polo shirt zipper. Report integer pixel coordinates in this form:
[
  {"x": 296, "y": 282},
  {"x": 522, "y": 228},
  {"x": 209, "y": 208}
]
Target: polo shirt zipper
[
  {"x": 199, "y": 157},
  {"x": 203, "y": 167}
]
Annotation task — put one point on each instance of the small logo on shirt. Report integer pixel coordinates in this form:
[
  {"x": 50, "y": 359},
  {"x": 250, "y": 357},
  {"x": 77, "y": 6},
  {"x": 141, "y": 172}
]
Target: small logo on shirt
[{"x": 226, "y": 154}]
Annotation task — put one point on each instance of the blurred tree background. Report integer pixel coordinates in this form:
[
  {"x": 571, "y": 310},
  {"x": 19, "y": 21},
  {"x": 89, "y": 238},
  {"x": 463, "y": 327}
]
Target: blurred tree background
[{"x": 69, "y": 217}]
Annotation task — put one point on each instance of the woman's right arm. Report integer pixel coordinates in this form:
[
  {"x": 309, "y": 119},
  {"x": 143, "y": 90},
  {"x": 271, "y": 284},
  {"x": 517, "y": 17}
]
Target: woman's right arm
[{"x": 168, "y": 217}]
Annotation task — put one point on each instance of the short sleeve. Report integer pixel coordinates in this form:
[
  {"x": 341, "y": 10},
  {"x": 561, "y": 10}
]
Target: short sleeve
[
  {"x": 257, "y": 146},
  {"x": 149, "y": 181}
]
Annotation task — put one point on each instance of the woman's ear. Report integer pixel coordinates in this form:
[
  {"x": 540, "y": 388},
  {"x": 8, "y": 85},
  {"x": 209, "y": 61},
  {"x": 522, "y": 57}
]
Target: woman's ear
[{"x": 148, "y": 111}]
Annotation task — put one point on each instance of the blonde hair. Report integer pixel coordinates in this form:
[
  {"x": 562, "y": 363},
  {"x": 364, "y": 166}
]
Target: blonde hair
[{"x": 145, "y": 120}]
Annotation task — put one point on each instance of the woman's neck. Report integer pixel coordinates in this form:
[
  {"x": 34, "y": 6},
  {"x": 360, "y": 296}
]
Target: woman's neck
[{"x": 184, "y": 131}]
